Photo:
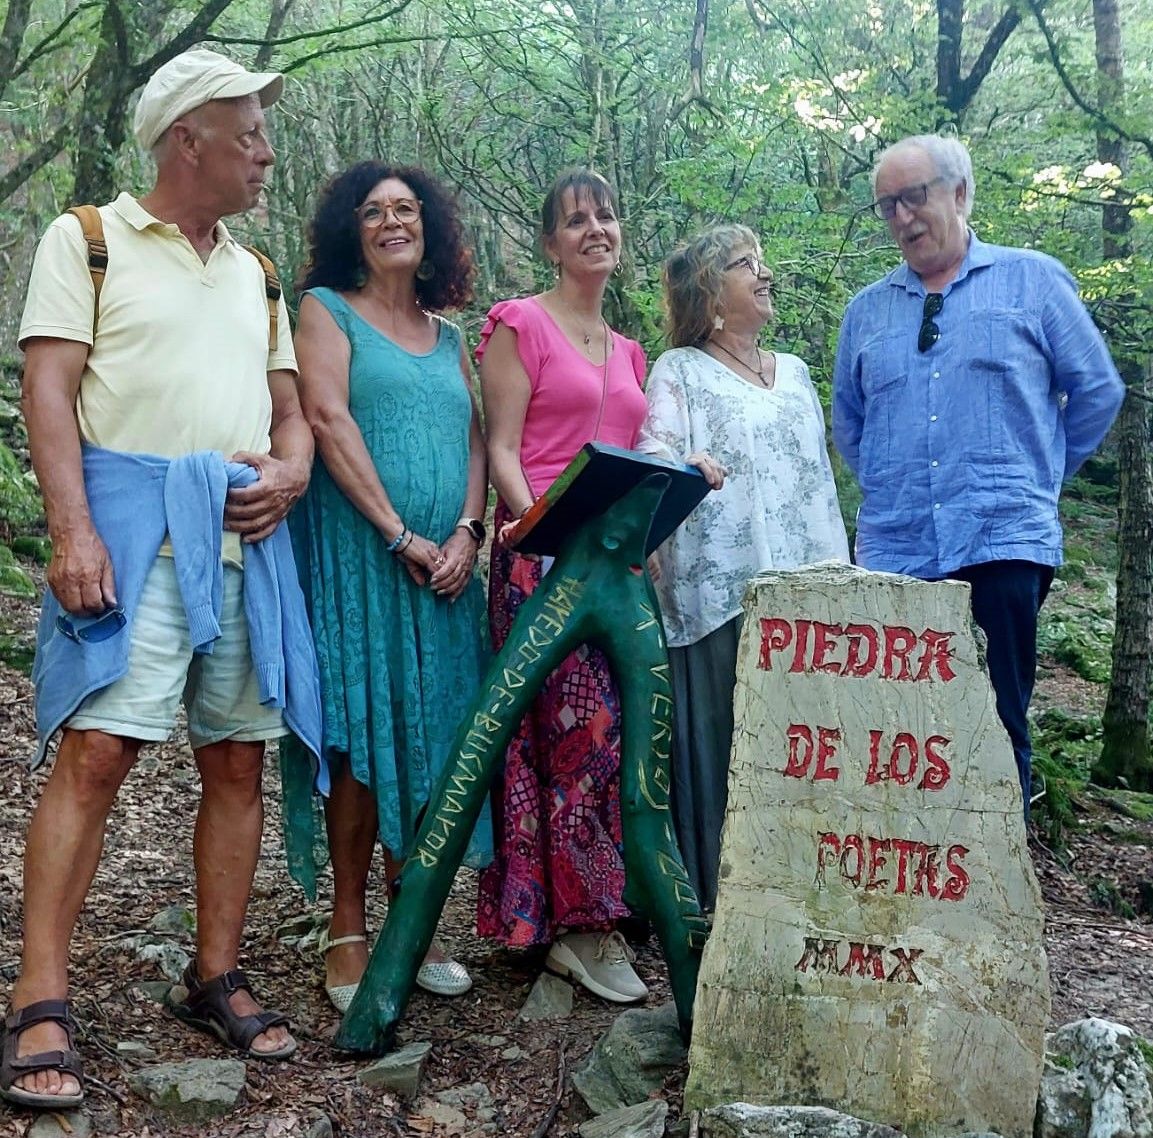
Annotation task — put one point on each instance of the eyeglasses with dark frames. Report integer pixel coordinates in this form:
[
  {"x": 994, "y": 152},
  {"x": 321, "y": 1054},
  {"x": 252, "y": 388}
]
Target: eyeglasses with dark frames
[
  {"x": 753, "y": 263},
  {"x": 373, "y": 214},
  {"x": 930, "y": 333},
  {"x": 91, "y": 629},
  {"x": 910, "y": 197}
]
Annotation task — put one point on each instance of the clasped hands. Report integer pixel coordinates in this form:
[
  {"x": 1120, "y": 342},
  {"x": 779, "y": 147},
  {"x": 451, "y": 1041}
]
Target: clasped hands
[{"x": 443, "y": 568}]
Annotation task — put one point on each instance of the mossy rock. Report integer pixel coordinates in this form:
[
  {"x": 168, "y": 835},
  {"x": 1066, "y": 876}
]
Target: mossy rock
[
  {"x": 34, "y": 548},
  {"x": 13, "y": 580}
]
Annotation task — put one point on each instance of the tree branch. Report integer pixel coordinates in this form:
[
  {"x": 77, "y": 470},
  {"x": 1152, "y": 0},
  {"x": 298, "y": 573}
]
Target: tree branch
[
  {"x": 1103, "y": 120},
  {"x": 41, "y": 156},
  {"x": 339, "y": 30}
]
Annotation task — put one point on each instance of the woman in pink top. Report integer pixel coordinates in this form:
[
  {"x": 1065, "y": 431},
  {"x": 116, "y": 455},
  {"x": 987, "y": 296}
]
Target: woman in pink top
[{"x": 555, "y": 376}]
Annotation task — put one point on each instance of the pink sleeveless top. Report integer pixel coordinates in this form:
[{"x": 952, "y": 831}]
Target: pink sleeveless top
[{"x": 570, "y": 393}]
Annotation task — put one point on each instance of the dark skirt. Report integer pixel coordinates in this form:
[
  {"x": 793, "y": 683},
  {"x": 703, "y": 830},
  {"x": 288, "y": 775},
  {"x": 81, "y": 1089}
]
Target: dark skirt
[{"x": 704, "y": 675}]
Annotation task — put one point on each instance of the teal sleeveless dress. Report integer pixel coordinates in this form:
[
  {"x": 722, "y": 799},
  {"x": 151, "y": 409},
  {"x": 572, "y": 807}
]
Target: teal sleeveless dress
[{"x": 399, "y": 666}]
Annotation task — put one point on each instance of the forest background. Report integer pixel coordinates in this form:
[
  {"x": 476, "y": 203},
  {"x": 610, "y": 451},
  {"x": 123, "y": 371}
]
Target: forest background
[{"x": 698, "y": 111}]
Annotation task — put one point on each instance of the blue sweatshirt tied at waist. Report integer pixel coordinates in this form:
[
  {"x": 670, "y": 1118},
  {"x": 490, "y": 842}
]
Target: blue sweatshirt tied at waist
[{"x": 134, "y": 501}]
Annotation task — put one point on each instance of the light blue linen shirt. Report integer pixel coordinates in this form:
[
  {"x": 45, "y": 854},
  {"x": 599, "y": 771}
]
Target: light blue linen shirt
[{"x": 960, "y": 451}]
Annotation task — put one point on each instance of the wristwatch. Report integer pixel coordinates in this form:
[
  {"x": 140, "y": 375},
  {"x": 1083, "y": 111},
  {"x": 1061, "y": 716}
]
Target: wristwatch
[{"x": 475, "y": 529}]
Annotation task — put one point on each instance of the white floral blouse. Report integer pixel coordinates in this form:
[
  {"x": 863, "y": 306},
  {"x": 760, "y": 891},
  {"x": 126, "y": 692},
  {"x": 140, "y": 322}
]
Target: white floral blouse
[{"x": 778, "y": 507}]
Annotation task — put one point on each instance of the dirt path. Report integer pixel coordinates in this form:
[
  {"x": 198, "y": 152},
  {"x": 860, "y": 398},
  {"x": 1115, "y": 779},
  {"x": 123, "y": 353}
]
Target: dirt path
[{"x": 493, "y": 1074}]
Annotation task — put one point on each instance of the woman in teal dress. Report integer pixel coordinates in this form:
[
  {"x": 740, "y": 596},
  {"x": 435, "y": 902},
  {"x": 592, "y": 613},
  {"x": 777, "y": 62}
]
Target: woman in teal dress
[{"x": 388, "y": 533}]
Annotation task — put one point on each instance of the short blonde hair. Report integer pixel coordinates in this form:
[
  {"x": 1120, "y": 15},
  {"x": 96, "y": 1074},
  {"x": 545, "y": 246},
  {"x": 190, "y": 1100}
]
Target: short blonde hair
[{"x": 692, "y": 279}]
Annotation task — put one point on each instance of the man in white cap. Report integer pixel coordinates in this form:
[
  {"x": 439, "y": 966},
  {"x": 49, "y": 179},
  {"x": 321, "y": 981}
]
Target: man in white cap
[{"x": 172, "y": 358}]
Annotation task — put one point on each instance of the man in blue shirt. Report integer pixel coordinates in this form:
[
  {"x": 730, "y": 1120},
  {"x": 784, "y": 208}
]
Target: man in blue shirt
[{"x": 969, "y": 383}]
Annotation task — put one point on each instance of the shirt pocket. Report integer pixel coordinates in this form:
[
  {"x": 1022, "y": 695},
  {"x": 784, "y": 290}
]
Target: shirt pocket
[
  {"x": 885, "y": 386},
  {"x": 1006, "y": 381}
]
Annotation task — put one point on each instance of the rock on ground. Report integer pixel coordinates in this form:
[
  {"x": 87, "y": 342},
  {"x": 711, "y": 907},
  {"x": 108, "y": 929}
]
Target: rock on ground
[
  {"x": 399, "y": 1072},
  {"x": 631, "y": 1060},
  {"x": 645, "y": 1120},
  {"x": 1108, "y": 1058},
  {"x": 742, "y": 1120},
  {"x": 62, "y": 1124},
  {"x": 550, "y": 998},
  {"x": 193, "y": 1091}
]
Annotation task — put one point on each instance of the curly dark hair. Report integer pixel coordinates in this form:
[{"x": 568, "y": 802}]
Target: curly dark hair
[{"x": 335, "y": 259}]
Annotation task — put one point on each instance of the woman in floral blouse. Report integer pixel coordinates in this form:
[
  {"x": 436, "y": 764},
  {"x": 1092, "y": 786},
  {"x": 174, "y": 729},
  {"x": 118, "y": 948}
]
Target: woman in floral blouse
[{"x": 757, "y": 413}]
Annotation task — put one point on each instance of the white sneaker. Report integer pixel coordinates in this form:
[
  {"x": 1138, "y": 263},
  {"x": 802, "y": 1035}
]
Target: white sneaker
[{"x": 599, "y": 961}]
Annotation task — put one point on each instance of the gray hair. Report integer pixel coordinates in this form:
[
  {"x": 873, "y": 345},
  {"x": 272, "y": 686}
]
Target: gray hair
[
  {"x": 693, "y": 278},
  {"x": 949, "y": 156}
]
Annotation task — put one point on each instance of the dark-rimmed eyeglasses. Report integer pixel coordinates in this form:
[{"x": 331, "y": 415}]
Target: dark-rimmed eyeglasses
[
  {"x": 372, "y": 215},
  {"x": 910, "y": 197},
  {"x": 91, "y": 629},
  {"x": 930, "y": 333},
  {"x": 754, "y": 264}
]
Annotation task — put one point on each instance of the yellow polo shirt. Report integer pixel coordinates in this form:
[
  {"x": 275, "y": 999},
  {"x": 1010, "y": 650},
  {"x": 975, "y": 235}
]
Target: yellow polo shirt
[{"x": 181, "y": 355}]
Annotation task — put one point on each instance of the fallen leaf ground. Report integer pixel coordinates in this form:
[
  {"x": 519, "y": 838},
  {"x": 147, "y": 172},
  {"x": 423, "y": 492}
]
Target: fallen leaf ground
[{"x": 489, "y": 1073}]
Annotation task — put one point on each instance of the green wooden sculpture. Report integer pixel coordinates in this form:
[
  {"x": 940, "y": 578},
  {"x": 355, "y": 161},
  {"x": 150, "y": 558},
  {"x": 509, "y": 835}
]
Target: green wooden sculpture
[{"x": 597, "y": 592}]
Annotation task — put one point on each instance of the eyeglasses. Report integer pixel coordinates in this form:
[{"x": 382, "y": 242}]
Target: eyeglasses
[
  {"x": 373, "y": 214},
  {"x": 910, "y": 197},
  {"x": 930, "y": 333},
  {"x": 91, "y": 629},
  {"x": 753, "y": 263}
]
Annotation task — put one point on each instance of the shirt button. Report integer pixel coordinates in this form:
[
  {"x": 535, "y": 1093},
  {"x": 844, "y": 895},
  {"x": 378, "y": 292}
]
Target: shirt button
[
  {"x": 936, "y": 505},
  {"x": 934, "y": 463},
  {"x": 936, "y": 375},
  {"x": 932, "y": 418}
]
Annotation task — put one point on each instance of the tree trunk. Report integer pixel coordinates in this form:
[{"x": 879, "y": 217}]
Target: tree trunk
[{"x": 1125, "y": 755}]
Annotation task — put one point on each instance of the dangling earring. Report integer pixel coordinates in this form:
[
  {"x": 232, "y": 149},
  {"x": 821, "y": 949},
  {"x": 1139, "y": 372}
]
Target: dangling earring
[
  {"x": 618, "y": 269},
  {"x": 425, "y": 271},
  {"x": 556, "y": 269},
  {"x": 718, "y": 322}
]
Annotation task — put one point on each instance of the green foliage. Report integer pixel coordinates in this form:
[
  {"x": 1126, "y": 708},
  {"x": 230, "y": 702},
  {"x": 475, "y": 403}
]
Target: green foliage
[
  {"x": 1065, "y": 747},
  {"x": 19, "y": 497},
  {"x": 1083, "y": 642},
  {"x": 1106, "y": 893},
  {"x": 1146, "y": 1049}
]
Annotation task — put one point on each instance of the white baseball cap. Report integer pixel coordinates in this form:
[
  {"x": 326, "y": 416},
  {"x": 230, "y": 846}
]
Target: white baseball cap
[{"x": 192, "y": 79}]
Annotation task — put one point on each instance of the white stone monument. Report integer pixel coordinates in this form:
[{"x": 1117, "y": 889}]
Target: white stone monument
[{"x": 878, "y": 942}]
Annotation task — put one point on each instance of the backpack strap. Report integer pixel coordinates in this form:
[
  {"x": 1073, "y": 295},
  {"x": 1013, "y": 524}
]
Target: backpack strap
[
  {"x": 272, "y": 291},
  {"x": 92, "y": 225}
]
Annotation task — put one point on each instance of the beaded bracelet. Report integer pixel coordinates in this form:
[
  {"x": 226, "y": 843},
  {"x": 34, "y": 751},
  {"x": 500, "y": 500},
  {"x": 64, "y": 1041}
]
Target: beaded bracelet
[{"x": 394, "y": 545}]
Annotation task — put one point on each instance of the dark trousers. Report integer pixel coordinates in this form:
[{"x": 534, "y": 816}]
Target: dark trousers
[{"x": 1006, "y": 598}]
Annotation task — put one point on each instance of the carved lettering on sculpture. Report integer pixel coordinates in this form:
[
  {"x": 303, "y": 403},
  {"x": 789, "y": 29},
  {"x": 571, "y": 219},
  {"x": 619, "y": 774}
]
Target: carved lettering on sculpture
[
  {"x": 856, "y": 958},
  {"x": 811, "y": 749},
  {"x": 899, "y": 867},
  {"x": 889, "y": 652}
]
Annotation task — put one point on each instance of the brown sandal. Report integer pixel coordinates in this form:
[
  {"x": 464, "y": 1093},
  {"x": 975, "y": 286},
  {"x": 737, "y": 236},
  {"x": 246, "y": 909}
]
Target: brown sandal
[
  {"x": 205, "y": 1007},
  {"x": 13, "y": 1067}
]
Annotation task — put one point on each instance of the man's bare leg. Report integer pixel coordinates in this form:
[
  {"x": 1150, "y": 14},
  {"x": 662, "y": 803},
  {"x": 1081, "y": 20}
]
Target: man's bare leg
[
  {"x": 61, "y": 853},
  {"x": 226, "y": 847}
]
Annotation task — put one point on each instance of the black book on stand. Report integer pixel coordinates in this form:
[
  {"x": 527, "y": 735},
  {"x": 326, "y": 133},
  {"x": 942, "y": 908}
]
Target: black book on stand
[{"x": 597, "y": 477}]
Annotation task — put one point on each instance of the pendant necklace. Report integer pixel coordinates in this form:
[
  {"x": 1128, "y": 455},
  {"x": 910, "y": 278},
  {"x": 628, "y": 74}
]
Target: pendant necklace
[{"x": 759, "y": 372}]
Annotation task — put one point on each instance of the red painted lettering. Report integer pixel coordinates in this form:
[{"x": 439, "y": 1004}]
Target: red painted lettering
[
  {"x": 958, "y": 884},
  {"x": 877, "y": 861},
  {"x": 937, "y": 773},
  {"x": 776, "y": 635},
  {"x": 864, "y": 647},
  {"x": 902, "y": 972},
  {"x": 801, "y": 645},
  {"x": 905, "y": 848},
  {"x": 826, "y": 737},
  {"x": 875, "y": 774},
  {"x": 926, "y": 881},
  {"x": 937, "y": 652},
  {"x": 903, "y": 742},
  {"x": 899, "y": 642},
  {"x": 828, "y": 851},
  {"x": 819, "y": 954},
  {"x": 800, "y": 750},
  {"x": 865, "y": 960},
  {"x": 852, "y": 844},
  {"x": 824, "y": 643}
]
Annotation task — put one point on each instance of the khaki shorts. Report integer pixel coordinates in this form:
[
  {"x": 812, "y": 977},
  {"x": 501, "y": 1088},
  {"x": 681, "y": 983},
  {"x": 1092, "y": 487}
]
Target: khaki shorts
[{"x": 219, "y": 691}]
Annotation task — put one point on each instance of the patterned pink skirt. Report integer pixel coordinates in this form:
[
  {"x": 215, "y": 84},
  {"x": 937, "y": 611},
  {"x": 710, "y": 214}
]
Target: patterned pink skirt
[{"x": 556, "y": 813}]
